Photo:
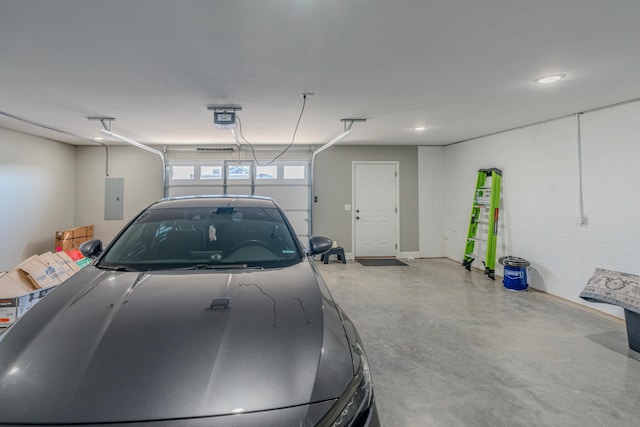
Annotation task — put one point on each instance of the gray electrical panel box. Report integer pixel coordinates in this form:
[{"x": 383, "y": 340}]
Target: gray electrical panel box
[{"x": 114, "y": 198}]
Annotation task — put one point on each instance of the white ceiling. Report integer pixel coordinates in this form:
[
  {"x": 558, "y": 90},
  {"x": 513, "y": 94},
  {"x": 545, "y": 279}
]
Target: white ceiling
[{"x": 463, "y": 68}]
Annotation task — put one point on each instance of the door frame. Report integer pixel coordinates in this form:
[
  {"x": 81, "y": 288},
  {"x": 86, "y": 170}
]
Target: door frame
[{"x": 353, "y": 200}]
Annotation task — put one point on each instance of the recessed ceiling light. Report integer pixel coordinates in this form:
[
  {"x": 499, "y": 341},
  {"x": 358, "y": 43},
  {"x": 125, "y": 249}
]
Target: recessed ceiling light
[
  {"x": 419, "y": 128},
  {"x": 98, "y": 138},
  {"x": 550, "y": 79}
]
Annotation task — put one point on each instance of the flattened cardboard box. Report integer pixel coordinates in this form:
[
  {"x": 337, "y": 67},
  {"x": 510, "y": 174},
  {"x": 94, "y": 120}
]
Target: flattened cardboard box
[
  {"x": 60, "y": 261},
  {"x": 44, "y": 271},
  {"x": 15, "y": 283}
]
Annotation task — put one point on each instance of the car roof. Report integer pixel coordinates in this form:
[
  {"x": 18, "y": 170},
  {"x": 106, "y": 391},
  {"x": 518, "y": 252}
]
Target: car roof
[{"x": 214, "y": 201}]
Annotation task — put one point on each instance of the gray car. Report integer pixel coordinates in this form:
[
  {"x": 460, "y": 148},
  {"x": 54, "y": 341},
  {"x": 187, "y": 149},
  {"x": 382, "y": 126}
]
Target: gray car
[{"x": 202, "y": 311}]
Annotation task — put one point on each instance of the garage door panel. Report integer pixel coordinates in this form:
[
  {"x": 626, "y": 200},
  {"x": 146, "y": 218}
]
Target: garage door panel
[
  {"x": 179, "y": 191},
  {"x": 288, "y": 197},
  {"x": 240, "y": 190},
  {"x": 288, "y": 184},
  {"x": 299, "y": 220}
]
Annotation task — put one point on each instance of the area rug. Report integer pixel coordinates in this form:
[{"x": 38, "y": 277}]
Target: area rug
[
  {"x": 613, "y": 287},
  {"x": 379, "y": 262}
]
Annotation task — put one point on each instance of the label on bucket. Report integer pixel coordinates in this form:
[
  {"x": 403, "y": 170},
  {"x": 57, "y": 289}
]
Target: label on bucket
[{"x": 514, "y": 274}]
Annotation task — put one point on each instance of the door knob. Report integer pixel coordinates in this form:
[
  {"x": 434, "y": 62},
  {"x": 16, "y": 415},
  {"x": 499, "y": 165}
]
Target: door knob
[{"x": 357, "y": 217}]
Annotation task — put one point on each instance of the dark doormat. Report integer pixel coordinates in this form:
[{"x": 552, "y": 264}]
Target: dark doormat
[{"x": 379, "y": 262}]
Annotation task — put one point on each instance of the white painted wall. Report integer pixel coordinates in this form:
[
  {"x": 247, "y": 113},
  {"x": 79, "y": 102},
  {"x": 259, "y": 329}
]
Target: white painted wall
[
  {"x": 431, "y": 173},
  {"x": 142, "y": 173},
  {"x": 36, "y": 194},
  {"x": 539, "y": 215}
]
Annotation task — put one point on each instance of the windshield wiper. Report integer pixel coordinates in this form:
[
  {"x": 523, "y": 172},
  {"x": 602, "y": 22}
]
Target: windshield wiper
[
  {"x": 219, "y": 267},
  {"x": 115, "y": 268}
]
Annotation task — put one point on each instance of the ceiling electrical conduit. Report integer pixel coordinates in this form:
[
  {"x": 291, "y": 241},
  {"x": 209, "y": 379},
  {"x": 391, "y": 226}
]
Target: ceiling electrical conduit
[
  {"x": 330, "y": 143},
  {"x": 582, "y": 220},
  {"x": 134, "y": 143},
  {"x": 144, "y": 147},
  {"x": 311, "y": 173},
  {"x": 348, "y": 122},
  {"x": 324, "y": 147}
]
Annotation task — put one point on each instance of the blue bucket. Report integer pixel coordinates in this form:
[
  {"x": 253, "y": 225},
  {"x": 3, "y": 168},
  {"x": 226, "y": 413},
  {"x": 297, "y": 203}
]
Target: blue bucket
[{"x": 515, "y": 278}]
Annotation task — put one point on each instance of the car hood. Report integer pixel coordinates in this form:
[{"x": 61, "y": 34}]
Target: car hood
[{"x": 118, "y": 346}]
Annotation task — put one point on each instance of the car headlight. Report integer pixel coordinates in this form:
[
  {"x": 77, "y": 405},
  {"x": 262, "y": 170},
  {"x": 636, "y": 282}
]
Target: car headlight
[{"x": 354, "y": 406}]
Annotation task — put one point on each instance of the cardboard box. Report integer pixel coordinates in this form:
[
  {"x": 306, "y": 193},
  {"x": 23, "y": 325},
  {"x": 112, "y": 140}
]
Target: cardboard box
[
  {"x": 64, "y": 234},
  {"x": 41, "y": 274},
  {"x": 12, "y": 284},
  {"x": 83, "y": 232},
  {"x": 11, "y": 309},
  {"x": 30, "y": 281},
  {"x": 73, "y": 238},
  {"x": 60, "y": 261}
]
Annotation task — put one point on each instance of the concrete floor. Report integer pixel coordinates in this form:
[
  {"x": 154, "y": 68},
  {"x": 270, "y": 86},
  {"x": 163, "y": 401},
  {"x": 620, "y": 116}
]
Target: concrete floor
[{"x": 452, "y": 348}]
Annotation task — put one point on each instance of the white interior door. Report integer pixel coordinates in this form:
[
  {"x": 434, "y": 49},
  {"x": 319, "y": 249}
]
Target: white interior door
[{"x": 375, "y": 209}]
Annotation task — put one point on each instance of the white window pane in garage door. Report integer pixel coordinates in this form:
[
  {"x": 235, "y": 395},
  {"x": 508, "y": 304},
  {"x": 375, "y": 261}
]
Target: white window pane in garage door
[
  {"x": 266, "y": 172},
  {"x": 239, "y": 171},
  {"x": 179, "y": 172},
  {"x": 295, "y": 172},
  {"x": 208, "y": 172}
]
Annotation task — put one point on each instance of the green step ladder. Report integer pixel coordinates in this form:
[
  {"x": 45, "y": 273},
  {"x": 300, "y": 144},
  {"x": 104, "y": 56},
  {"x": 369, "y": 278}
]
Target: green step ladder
[{"x": 483, "y": 226}]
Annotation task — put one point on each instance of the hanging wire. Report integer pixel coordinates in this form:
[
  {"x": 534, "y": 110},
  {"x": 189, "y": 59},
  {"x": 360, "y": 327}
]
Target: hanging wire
[{"x": 293, "y": 138}]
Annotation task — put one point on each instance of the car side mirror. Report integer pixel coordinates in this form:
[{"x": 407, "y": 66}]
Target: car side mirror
[
  {"x": 91, "y": 248},
  {"x": 319, "y": 245}
]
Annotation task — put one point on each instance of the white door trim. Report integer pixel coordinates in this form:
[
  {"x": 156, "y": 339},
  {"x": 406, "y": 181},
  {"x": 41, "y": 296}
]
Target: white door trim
[{"x": 353, "y": 200}]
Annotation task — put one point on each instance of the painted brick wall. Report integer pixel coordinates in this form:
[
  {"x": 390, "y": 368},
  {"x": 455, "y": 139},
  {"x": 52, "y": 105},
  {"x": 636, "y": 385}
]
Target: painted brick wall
[{"x": 540, "y": 209}]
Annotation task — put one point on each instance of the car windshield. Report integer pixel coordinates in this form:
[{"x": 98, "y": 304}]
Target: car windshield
[{"x": 204, "y": 238}]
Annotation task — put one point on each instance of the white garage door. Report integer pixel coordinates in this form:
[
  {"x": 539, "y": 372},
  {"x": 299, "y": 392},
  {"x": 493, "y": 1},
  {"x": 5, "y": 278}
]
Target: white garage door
[{"x": 287, "y": 182}]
